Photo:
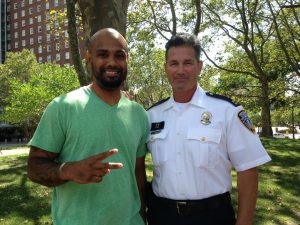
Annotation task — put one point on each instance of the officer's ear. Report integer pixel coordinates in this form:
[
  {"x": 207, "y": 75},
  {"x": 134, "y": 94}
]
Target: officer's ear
[{"x": 200, "y": 65}]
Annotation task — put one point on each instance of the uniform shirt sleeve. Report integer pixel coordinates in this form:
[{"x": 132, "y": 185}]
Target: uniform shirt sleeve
[
  {"x": 244, "y": 146},
  {"x": 49, "y": 134}
]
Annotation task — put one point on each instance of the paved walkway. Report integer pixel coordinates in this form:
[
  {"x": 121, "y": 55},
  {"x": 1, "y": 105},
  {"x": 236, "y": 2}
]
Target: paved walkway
[{"x": 11, "y": 150}]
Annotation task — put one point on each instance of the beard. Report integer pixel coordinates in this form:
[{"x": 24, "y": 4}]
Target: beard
[{"x": 107, "y": 82}]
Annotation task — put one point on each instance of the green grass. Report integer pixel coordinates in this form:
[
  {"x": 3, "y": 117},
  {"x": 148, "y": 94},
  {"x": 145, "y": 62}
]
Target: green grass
[{"x": 23, "y": 202}]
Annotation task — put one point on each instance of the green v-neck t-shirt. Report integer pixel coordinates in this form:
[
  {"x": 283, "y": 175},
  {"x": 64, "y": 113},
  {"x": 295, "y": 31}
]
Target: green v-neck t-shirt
[{"x": 78, "y": 125}]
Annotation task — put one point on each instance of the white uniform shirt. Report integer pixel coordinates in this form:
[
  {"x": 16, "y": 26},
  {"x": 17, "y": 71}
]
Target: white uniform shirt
[{"x": 193, "y": 159}]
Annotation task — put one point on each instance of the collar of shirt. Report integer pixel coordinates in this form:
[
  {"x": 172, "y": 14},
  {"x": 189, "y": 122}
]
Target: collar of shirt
[{"x": 197, "y": 100}]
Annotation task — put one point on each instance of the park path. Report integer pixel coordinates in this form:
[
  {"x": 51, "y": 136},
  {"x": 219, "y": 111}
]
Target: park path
[{"x": 11, "y": 150}]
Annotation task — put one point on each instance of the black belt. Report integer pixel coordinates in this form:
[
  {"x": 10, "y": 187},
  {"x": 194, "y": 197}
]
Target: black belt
[{"x": 189, "y": 207}]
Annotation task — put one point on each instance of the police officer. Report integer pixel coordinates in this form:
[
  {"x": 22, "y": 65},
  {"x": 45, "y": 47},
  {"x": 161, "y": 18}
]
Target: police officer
[{"x": 196, "y": 138}]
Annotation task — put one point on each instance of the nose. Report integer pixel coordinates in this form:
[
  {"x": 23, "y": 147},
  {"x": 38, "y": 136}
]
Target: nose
[
  {"x": 111, "y": 61},
  {"x": 180, "y": 69}
]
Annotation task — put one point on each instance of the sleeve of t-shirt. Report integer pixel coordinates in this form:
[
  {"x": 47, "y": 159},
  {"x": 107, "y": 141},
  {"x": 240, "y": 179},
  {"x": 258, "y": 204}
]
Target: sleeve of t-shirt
[
  {"x": 142, "y": 148},
  {"x": 244, "y": 146},
  {"x": 50, "y": 135}
]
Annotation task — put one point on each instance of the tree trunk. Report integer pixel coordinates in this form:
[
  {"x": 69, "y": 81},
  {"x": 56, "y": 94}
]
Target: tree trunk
[
  {"x": 265, "y": 110},
  {"x": 97, "y": 14},
  {"x": 72, "y": 30}
]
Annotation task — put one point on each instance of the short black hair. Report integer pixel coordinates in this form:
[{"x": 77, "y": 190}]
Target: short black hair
[{"x": 184, "y": 39}]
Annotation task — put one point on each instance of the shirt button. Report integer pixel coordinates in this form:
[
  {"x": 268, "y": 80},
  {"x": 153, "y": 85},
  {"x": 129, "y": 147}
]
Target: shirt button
[{"x": 203, "y": 139}]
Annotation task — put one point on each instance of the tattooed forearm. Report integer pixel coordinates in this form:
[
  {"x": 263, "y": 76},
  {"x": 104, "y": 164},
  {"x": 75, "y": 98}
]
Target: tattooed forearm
[{"x": 43, "y": 169}]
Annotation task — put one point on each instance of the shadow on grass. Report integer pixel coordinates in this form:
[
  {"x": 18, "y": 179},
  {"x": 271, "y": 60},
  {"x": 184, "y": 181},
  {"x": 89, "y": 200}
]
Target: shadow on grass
[
  {"x": 21, "y": 200},
  {"x": 279, "y": 182}
]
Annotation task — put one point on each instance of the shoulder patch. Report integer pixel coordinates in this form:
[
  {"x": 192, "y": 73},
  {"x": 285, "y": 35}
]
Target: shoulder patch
[
  {"x": 223, "y": 98},
  {"x": 158, "y": 103},
  {"x": 246, "y": 121}
]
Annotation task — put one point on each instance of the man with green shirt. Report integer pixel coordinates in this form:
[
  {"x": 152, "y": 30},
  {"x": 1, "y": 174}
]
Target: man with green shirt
[{"x": 90, "y": 144}]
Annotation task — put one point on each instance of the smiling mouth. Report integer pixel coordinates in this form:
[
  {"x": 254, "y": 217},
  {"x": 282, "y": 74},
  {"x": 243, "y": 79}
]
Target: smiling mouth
[{"x": 111, "y": 74}]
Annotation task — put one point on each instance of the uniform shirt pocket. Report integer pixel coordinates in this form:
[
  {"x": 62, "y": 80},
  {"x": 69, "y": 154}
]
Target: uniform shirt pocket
[
  {"x": 203, "y": 145},
  {"x": 157, "y": 146}
]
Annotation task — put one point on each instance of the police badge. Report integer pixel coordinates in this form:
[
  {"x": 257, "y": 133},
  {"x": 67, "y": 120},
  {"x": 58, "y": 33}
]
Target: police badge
[{"x": 205, "y": 118}]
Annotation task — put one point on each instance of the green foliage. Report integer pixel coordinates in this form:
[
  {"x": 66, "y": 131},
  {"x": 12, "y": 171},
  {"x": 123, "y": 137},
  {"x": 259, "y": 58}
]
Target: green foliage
[
  {"x": 31, "y": 86},
  {"x": 146, "y": 79}
]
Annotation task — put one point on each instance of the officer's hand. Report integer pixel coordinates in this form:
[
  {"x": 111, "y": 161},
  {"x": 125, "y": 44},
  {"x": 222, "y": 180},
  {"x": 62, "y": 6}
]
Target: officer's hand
[{"x": 90, "y": 170}]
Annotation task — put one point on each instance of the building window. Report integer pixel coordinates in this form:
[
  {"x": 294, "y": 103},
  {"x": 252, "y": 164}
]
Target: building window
[
  {"x": 30, "y": 1},
  {"x": 16, "y": 44},
  {"x": 48, "y": 58},
  {"x": 56, "y": 24},
  {"x": 15, "y": 15},
  {"x": 57, "y": 46},
  {"x": 57, "y": 57},
  {"x": 56, "y": 3},
  {"x": 48, "y": 48},
  {"x": 39, "y": 39},
  {"x": 16, "y": 34},
  {"x": 66, "y": 44},
  {"x": 23, "y": 13},
  {"x": 31, "y": 41},
  {"x": 23, "y": 23},
  {"x": 8, "y": 8},
  {"x": 23, "y": 3},
  {"x": 15, "y": 5},
  {"x": 39, "y": 29},
  {"x": 30, "y": 21},
  {"x": 47, "y": 5},
  {"x": 40, "y": 59},
  {"x": 57, "y": 36},
  {"x": 40, "y": 50},
  {"x": 16, "y": 25},
  {"x": 32, "y": 50},
  {"x": 67, "y": 55},
  {"x": 8, "y": 17},
  {"x": 31, "y": 31},
  {"x": 38, "y": 8},
  {"x": 39, "y": 18},
  {"x": 8, "y": 27},
  {"x": 66, "y": 34},
  {"x": 23, "y": 33},
  {"x": 48, "y": 38},
  {"x": 30, "y": 10},
  {"x": 8, "y": 47},
  {"x": 23, "y": 43},
  {"x": 8, "y": 37},
  {"x": 47, "y": 26}
]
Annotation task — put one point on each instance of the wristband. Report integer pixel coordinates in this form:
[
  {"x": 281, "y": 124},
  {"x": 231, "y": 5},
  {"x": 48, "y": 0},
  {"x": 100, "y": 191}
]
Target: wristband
[{"x": 61, "y": 167}]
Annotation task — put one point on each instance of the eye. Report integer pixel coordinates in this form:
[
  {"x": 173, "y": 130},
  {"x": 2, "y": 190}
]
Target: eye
[
  {"x": 121, "y": 55},
  {"x": 102, "y": 54}
]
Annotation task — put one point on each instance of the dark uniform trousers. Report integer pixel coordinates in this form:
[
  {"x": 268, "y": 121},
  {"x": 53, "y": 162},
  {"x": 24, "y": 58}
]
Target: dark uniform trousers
[{"x": 216, "y": 210}]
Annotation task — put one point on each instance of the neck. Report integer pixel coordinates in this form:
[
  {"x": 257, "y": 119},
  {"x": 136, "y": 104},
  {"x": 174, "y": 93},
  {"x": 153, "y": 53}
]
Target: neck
[
  {"x": 183, "y": 96},
  {"x": 110, "y": 97}
]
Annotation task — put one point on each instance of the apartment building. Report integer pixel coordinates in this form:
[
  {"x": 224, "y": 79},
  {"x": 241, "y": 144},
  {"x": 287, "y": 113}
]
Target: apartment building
[{"x": 35, "y": 25}]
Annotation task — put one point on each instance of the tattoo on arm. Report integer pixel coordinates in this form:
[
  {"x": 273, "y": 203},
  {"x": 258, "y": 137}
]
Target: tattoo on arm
[{"x": 42, "y": 167}]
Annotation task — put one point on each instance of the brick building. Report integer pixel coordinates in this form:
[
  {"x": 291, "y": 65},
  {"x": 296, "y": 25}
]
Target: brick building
[{"x": 32, "y": 24}]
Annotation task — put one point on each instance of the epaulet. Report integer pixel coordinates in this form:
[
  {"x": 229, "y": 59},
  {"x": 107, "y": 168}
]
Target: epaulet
[
  {"x": 158, "y": 103},
  {"x": 223, "y": 98}
]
